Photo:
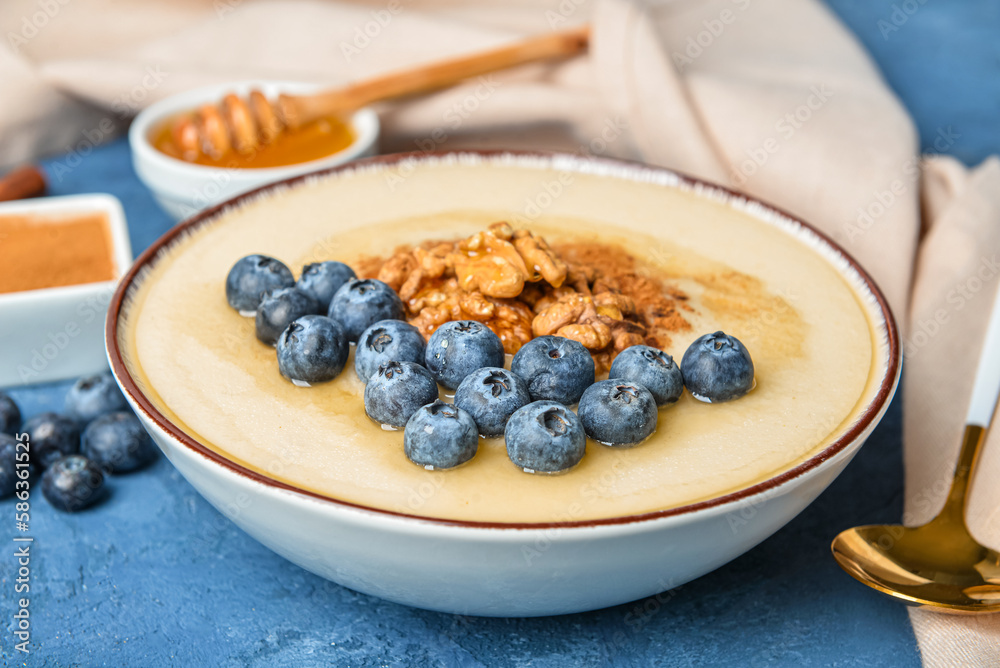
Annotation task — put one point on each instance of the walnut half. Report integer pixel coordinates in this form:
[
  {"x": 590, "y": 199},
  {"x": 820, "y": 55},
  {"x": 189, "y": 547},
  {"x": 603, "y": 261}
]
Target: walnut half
[
  {"x": 573, "y": 316},
  {"x": 490, "y": 264},
  {"x": 539, "y": 259}
]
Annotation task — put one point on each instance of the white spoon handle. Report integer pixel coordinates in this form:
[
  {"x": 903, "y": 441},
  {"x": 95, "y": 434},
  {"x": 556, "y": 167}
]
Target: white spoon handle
[{"x": 987, "y": 385}]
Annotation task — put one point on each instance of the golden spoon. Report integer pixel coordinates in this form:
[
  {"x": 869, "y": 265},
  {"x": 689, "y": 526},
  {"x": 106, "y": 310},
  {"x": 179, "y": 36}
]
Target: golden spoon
[{"x": 939, "y": 564}]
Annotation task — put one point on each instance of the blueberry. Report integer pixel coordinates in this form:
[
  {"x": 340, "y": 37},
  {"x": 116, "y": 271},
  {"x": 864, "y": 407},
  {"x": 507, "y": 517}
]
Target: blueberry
[
  {"x": 653, "y": 369},
  {"x": 458, "y": 348},
  {"x": 359, "y": 304},
  {"x": 93, "y": 396},
  {"x": 251, "y": 277},
  {"x": 8, "y": 464},
  {"x": 440, "y": 436},
  {"x": 51, "y": 436},
  {"x": 117, "y": 443},
  {"x": 396, "y": 391},
  {"x": 716, "y": 368},
  {"x": 72, "y": 483},
  {"x": 10, "y": 415},
  {"x": 556, "y": 368},
  {"x": 313, "y": 349},
  {"x": 279, "y": 308},
  {"x": 491, "y": 395},
  {"x": 385, "y": 341},
  {"x": 545, "y": 437},
  {"x": 323, "y": 279},
  {"x": 618, "y": 412}
]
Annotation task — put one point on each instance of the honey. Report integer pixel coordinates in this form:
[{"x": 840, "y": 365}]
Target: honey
[
  {"x": 315, "y": 140},
  {"x": 53, "y": 251}
]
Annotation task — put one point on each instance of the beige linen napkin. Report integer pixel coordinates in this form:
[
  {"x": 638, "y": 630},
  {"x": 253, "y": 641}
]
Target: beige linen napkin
[
  {"x": 955, "y": 284},
  {"x": 773, "y": 97}
]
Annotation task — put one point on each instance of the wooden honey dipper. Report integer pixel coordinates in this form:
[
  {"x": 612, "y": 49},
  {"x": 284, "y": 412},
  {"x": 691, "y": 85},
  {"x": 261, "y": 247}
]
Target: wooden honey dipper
[{"x": 245, "y": 125}]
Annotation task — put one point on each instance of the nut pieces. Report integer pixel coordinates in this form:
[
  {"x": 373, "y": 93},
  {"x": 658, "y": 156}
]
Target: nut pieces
[{"x": 513, "y": 282}]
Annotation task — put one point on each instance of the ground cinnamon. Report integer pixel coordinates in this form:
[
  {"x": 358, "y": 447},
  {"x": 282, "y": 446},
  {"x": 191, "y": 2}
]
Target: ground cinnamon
[{"x": 50, "y": 251}]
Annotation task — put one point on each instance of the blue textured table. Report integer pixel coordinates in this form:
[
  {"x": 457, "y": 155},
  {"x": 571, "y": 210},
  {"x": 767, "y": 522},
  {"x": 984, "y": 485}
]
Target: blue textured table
[{"x": 156, "y": 576}]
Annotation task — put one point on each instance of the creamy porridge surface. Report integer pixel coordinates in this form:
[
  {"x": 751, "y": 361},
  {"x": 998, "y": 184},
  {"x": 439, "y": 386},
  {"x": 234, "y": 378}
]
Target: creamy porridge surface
[{"x": 811, "y": 342}]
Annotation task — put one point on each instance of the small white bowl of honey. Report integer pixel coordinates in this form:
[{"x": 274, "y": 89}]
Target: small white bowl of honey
[{"x": 185, "y": 184}]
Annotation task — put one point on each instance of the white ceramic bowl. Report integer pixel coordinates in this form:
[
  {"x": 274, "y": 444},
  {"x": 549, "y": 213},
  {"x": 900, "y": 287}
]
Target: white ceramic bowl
[
  {"x": 477, "y": 568},
  {"x": 58, "y": 333},
  {"x": 183, "y": 188}
]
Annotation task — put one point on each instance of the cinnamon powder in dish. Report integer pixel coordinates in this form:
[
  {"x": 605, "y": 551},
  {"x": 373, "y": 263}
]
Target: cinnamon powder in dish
[{"x": 45, "y": 252}]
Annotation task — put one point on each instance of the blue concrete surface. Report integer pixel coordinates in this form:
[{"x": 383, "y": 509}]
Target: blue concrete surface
[
  {"x": 943, "y": 60},
  {"x": 155, "y": 576}
]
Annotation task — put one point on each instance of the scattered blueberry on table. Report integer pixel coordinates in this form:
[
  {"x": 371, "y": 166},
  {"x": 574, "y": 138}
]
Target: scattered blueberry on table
[
  {"x": 278, "y": 309},
  {"x": 251, "y": 277},
  {"x": 716, "y": 368},
  {"x": 73, "y": 465},
  {"x": 312, "y": 349},
  {"x": 491, "y": 395},
  {"x": 92, "y": 396},
  {"x": 73, "y": 483},
  {"x": 359, "y": 304},
  {"x": 617, "y": 412},
  {"x": 10, "y": 415},
  {"x": 556, "y": 368},
  {"x": 117, "y": 443},
  {"x": 52, "y": 436},
  {"x": 459, "y": 347},
  {"x": 396, "y": 391},
  {"x": 440, "y": 436},
  {"x": 8, "y": 465},
  {"x": 545, "y": 437},
  {"x": 387, "y": 341},
  {"x": 323, "y": 279},
  {"x": 653, "y": 369}
]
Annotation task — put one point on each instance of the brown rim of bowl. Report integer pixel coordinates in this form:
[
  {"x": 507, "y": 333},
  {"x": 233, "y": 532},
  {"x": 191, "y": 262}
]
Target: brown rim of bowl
[{"x": 866, "y": 418}]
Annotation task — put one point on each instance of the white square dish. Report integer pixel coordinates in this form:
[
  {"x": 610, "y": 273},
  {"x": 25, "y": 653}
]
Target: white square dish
[{"x": 57, "y": 333}]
